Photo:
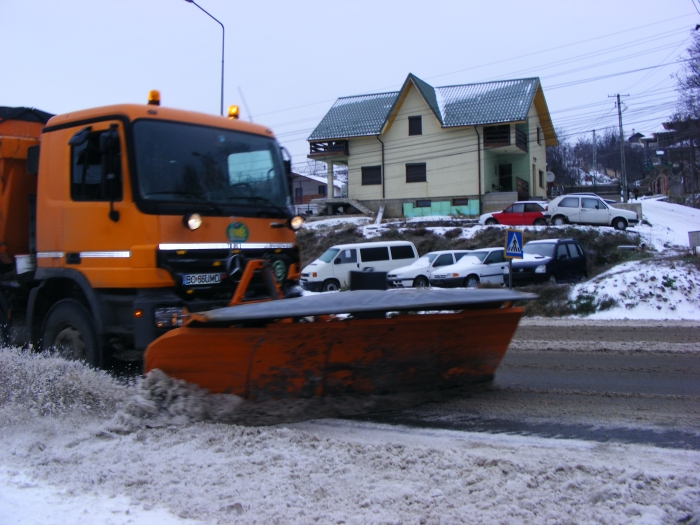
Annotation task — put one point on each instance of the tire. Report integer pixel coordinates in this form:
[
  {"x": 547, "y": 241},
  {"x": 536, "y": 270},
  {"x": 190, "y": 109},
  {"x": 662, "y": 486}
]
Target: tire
[
  {"x": 559, "y": 220},
  {"x": 331, "y": 285},
  {"x": 539, "y": 222},
  {"x": 69, "y": 329},
  {"x": 619, "y": 223},
  {"x": 472, "y": 281},
  {"x": 421, "y": 282},
  {"x": 491, "y": 222}
]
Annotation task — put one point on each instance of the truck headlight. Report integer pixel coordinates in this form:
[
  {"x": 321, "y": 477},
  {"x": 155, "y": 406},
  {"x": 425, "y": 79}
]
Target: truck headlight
[
  {"x": 541, "y": 269},
  {"x": 170, "y": 316}
]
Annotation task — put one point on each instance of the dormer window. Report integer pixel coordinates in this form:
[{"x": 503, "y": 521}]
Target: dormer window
[{"x": 415, "y": 125}]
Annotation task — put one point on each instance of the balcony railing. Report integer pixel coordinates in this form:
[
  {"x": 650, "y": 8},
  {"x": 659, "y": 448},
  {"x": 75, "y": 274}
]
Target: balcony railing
[
  {"x": 499, "y": 136},
  {"x": 329, "y": 148},
  {"x": 495, "y": 136}
]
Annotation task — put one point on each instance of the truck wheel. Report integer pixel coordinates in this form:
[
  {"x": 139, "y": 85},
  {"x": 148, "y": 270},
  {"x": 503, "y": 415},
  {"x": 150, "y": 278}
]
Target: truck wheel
[
  {"x": 491, "y": 222},
  {"x": 69, "y": 329},
  {"x": 559, "y": 220},
  {"x": 620, "y": 224},
  {"x": 331, "y": 285},
  {"x": 420, "y": 282},
  {"x": 471, "y": 281}
]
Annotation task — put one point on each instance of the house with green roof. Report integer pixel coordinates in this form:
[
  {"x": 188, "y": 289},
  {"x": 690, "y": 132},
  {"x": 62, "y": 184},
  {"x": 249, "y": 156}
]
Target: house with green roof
[{"x": 424, "y": 150}]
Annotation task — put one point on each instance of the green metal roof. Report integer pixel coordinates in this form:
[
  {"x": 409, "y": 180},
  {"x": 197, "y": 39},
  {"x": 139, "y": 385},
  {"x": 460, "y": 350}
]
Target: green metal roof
[
  {"x": 453, "y": 106},
  {"x": 355, "y": 116}
]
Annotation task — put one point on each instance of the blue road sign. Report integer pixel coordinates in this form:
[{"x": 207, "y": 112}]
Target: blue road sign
[{"x": 514, "y": 244}]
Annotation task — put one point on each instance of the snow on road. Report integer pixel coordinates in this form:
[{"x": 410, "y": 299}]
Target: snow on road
[{"x": 108, "y": 458}]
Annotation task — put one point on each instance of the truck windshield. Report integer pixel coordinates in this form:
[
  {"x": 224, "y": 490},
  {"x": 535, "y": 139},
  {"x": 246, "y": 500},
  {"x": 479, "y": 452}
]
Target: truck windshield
[{"x": 184, "y": 163}]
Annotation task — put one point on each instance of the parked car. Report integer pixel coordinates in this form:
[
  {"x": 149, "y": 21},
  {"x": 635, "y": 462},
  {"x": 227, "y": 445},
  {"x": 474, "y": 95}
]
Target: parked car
[
  {"x": 581, "y": 209},
  {"x": 550, "y": 260},
  {"x": 331, "y": 271},
  {"x": 524, "y": 213},
  {"x": 486, "y": 265},
  {"x": 418, "y": 274}
]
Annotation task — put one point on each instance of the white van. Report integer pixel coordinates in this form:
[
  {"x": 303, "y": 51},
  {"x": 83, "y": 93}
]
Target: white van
[{"x": 332, "y": 270}]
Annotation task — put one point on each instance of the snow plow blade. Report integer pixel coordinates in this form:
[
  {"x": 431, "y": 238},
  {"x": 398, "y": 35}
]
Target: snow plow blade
[{"x": 391, "y": 342}]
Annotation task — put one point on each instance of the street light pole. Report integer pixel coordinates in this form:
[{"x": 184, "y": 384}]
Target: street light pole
[{"x": 223, "y": 36}]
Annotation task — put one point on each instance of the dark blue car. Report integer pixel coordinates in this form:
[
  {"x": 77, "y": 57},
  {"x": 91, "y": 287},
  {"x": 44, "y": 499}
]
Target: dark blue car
[{"x": 550, "y": 260}]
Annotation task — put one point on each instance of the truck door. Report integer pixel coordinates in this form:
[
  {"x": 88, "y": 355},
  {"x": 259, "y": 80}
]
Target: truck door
[{"x": 99, "y": 220}]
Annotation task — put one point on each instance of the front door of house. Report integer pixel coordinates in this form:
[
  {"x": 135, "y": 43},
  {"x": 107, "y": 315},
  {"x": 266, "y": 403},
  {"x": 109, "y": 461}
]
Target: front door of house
[{"x": 505, "y": 177}]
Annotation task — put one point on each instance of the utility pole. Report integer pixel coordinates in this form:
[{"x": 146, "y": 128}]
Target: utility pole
[
  {"x": 595, "y": 164},
  {"x": 623, "y": 171}
]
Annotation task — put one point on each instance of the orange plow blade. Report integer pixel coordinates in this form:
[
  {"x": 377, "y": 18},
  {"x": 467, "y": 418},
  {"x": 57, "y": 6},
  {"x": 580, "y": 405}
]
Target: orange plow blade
[{"x": 259, "y": 351}]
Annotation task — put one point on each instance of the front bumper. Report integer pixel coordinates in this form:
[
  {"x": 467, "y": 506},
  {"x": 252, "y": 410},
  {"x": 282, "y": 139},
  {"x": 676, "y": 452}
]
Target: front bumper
[
  {"x": 451, "y": 282},
  {"x": 311, "y": 286}
]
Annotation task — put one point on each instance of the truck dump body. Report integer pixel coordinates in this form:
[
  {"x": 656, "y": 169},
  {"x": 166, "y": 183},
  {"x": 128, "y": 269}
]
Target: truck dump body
[{"x": 259, "y": 351}]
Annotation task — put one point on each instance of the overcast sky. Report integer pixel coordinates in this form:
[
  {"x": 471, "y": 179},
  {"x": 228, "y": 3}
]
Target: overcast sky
[{"x": 291, "y": 59}]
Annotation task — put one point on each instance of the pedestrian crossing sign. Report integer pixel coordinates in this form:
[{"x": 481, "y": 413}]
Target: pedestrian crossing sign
[{"x": 514, "y": 244}]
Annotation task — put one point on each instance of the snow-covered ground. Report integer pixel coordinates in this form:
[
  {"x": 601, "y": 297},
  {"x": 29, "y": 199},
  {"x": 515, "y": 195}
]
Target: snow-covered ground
[{"x": 77, "y": 446}]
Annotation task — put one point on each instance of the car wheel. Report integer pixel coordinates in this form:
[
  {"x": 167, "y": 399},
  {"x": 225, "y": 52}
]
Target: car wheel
[
  {"x": 620, "y": 224},
  {"x": 491, "y": 222},
  {"x": 559, "y": 220},
  {"x": 421, "y": 282},
  {"x": 539, "y": 222},
  {"x": 69, "y": 329},
  {"x": 331, "y": 285},
  {"x": 472, "y": 281}
]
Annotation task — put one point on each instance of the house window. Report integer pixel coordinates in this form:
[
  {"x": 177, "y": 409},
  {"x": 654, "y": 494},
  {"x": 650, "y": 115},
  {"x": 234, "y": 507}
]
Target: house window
[
  {"x": 416, "y": 172},
  {"x": 460, "y": 202},
  {"x": 539, "y": 135},
  {"x": 322, "y": 190},
  {"x": 541, "y": 179},
  {"x": 415, "y": 125},
  {"x": 371, "y": 175},
  {"x": 422, "y": 204}
]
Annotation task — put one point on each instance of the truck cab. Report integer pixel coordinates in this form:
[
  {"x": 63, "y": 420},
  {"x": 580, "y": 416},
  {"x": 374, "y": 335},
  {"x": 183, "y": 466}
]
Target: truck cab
[{"x": 137, "y": 215}]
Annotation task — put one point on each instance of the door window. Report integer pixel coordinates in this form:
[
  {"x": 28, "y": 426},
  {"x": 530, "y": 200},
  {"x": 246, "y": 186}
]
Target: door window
[
  {"x": 96, "y": 165},
  {"x": 569, "y": 202},
  {"x": 374, "y": 254},
  {"x": 495, "y": 257},
  {"x": 347, "y": 256},
  {"x": 562, "y": 251},
  {"x": 444, "y": 260}
]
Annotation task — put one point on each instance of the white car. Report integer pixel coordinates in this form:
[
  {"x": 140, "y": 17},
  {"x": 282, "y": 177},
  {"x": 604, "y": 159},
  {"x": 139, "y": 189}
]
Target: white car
[
  {"x": 584, "y": 209},
  {"x": 487, "y": 265},
  {"x": 418, "y": 274}
]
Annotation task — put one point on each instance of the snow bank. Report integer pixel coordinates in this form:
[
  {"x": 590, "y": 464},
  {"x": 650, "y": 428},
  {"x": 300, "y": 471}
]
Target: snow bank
[{"x": 650, "y": 289}]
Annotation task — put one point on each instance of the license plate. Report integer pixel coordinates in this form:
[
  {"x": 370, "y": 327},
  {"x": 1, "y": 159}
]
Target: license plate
[{"x": 195, "y": 279}]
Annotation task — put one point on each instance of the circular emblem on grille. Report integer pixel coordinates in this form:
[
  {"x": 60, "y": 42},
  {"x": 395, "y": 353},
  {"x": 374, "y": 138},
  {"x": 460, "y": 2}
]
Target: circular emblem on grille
[
  {"x": 279, "y": 269},
  {"x": 237, "y": 232}
]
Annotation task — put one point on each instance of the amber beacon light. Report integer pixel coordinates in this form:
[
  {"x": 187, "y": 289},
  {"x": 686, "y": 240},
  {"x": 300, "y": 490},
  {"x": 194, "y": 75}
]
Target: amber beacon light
[
  {"x": 154, "y": 97},
  {"x": 233, "y": 112}
]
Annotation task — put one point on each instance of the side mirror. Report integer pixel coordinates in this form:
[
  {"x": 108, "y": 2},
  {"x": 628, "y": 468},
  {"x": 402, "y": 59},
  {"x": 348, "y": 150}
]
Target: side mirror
[{"x": 336, "y": 261}]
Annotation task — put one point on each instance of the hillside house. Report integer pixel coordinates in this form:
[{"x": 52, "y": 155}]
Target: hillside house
[{"x": 463, "y": 149}]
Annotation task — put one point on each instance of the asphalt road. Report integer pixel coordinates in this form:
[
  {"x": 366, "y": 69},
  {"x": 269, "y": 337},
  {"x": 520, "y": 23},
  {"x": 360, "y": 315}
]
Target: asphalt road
[{"x": 627, "y": 381}]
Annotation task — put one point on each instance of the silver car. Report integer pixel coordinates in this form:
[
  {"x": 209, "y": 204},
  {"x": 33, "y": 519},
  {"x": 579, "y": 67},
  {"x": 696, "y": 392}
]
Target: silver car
[{"x": 584, "y": 209}]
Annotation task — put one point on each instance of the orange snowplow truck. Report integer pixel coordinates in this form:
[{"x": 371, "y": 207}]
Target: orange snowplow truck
[{"x": 115, "y": 222}]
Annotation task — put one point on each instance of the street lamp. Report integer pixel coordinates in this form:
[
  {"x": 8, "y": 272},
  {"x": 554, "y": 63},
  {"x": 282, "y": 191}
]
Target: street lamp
[{"x": 223, "y": 35}]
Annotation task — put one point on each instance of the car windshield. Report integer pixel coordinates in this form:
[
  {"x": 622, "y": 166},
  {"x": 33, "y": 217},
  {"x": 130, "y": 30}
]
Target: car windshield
[
  {"x": 479, "y": 255},
  {"x": 328, "y": 255},
  {"x": 544, "y": 249},
  {"x": 470, "y": 259},
  {"x": 426, "y": 259},
  {"x": 199, "y": 165}
]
